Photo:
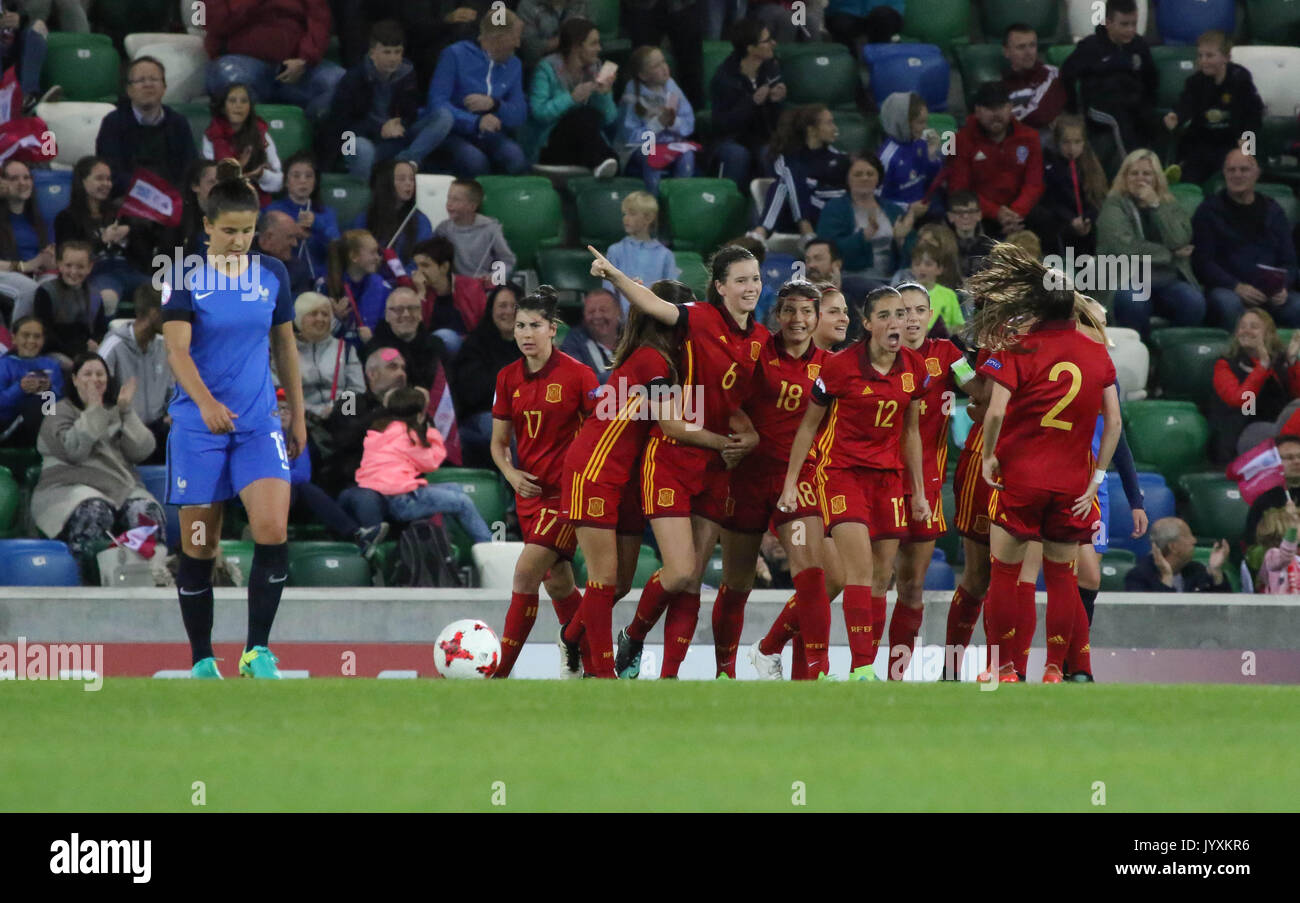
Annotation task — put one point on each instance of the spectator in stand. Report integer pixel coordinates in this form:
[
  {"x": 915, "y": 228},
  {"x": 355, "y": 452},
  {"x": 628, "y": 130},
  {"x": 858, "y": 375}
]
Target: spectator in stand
[
  {"x": 26, "y": 374},
  {"x": 71, "y": 14},
  {"x": 943, "y": 300},
  {"x": 276, "y": 47},
  {"x": 451, "y": 304},
  {"x": 1113, "y": 71},
  {"x": 973, "y": 244},
  {"x": 329, "y": 366},
  {"x": 480, "y": 139},
  {"x": 1256, "y": 374},
  {"x": 648, "y": 22},
  {"x": 1278, "y": 570},
  {"x": 277, "y": 236},
  {"x": 22, "y": 48},
  {"x": 317, "y": 224},
  {"x": 653, "y": 102},
  {"x": 871, "y": 234},
  {"x": 238, "y": 133},
  {"x": 1141, "y": 217},
  {"x": 142, "y": 133},
  {"x": 200, "y": 178},
  {"x": 77, "y": 322},
  {"x": 421, "y": 21},
  {"x": 481, "y": 249},
  {"x": 355, "y": 285},
  {"x": 542, "y": 20},
  {"x": 1284, "y": 496},
  {"x": 787, "y": 27},
  {"x": 402, "y": 329},
  {"x": 1035, "y": 89},
  {"x": 910, "y": 155},
  {"x": 999, "y": 159},
  {"x": 593, "y": 340},
  {"x": 136, "y": 351},
  {"x": 24, "y": 240},
  {"x": 461, "y": 20},
  {"x": 747, "y": 96},
  {"x": 640, "y": 255},
  {"x": 378, "y": 102},
  {"x": 1074, "y": 188},
  {"x": 1169, "y": 567},
  {"x": 858, "y": 22},
  {"x": 392, "y": 217},
  {"x": 1244, "y": 254},
  {"x": 487, "y": 349},
  {"x": 89, "y": 448},
  {"x": 571, "y": 104},
  {"x": 950, "y": 274},
  {"x": 809, "y": 172},
  {"x": 346, "y": 427},
  {"x": 1219, "y": 102}
]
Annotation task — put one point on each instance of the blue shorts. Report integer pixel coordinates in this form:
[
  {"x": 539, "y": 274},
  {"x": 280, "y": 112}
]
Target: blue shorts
[
  {"x": 205, "y": 467},
  {"x": 1101, "y": 536}
]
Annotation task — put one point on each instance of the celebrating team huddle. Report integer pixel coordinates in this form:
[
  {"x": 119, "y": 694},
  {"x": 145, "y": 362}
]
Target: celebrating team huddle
[{"x": 723, "y": 430}]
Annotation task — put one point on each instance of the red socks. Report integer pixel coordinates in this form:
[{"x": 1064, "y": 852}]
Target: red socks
[
  {"x": 654, "y": 599},
  {"x": 519, "y": 623},
  {"x": 798, "y": 660},
  {"x": 1002, "y": 610},
  {"x": 1063, "y": 607},
  {"x": 857, "y": 618},
  {"x": 597, "y": 615},
  {"x": 903, "y": 628},
  {"x": 567, "y": 607},
  {"x": 679, "y": 630},
  {"x": 1080, "y": 657},
  {"x": 1025, "y": 624},
  {"x": 878, "y": 609},
  {"x": 814, "y": 623},
  {"x": 728, "y": 622},
  {"x": 963, "y": 615},
  {"x": 783, "y": 629}
]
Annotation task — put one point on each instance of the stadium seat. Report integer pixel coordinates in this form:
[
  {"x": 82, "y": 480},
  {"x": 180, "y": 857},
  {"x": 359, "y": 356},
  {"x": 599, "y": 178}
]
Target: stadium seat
[
  {"x": 529, "y": 210},
  {"x": 1276, "y": 71},
  {"x": 17, "y": 459},
  {"x": 701, "y": 213},
  {"x": 939, "y": 576},
  {"x": 561, "y": 332},
  {"x": 75, "y": 126},
  {"x": 1183, "y": 21},
  {"x": 855, "y": 132},
  {"x": 288, "y": 126},
  {"x": 997, "y": 15},
  {"x": 600, "y": 210},
  {"x": 329, "y": 569},
  {"x": 431, "y": 196},
  {"x": 1173, "y": 65},
  {"x": 1079, "y": 15},
  {"x": 240, "y": 553},
  {"x": 777, "y": 270},
  {"x": 495, "y": 563},
  {"x": 980, "y": 63},
  {"x": 154, "y": 478},
  {"x": 76, "y": 39},
  {"x": 908, "y": 67},
  {"x": 605, "y": 15},
  {"x": 88, "y": 71},
  {"x": 1170, "y": 435},
  {"x": 1157, "y": 501},
  {"x": 37, "y": 562},
  {"x": 819, "y": 73},
  {"x": 1284, "y": 196},
  {"x": 694, "y": 272},
  {"x": 944, "y": 23},
  {"x": 185, "y": 64},
  {"x": 1189, "y": 196},
  {"x": 349, "y": 197},
  {"x": 1215, "y": 507},
  {"x": 568, "y": 269},
  {"x": 53, "y": 191},
  {"x": 485, "y": 488},
  {"x": 647, "y": 562},
  {"x": 1277, "y": 136},
  {"x": 715, "y": 52},
  {"x": 712, "y": 576},
  {"x": 198, "y": 115},
  {"x": 1132, "y": 368},
  {"x": 10, "y": 496},
  {"x": 136, "y": 41},
  {"x": 1056, "y": 54},
  {"x": 1276, "y": 21},
  {"x": 1185, "y": 370},
  {"x": 1115, "y": 565}
]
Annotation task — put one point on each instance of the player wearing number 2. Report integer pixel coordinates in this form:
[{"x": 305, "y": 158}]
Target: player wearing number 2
[
  {"x": 221, "y": 324},
  {"x": 540, "y": 402}
]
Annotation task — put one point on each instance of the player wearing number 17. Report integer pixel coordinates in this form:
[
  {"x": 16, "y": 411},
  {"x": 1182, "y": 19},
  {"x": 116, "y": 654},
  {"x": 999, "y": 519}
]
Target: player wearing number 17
[{"x": 1049, "y": 384}]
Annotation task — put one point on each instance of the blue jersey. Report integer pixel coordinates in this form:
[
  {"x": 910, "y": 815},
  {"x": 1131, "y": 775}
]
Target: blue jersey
[{"x": 230, "y": 342}]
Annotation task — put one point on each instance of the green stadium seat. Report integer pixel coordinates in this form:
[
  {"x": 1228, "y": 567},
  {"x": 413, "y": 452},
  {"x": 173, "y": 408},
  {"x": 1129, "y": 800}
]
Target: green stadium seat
[
  {"x": 576, "y": 185},
  {"x": 1056, "y": 54},
  {"x": 701, "y": 213},
  {"x": 1185, "y": 366},
  {"x": 1170, "y": 435},
  {"x": 600, "y": 211},
  {"x": 605, "y": 15},
  {"x": 1285, "y": 198},
  {"x": 76, "y": 39},
  {"x": 568, "y": 269},
  {"x": 997, "y": 15},
  {"x": 487, "y": 489},
  {"x": 1277, "y": 135},
  {"x": 346, "y": 196},
  {"x": 942, "y": 22},
  {"x": 694, "y": 272},
  {"x": 17, "y": 460},
  {"x": 647, "y": 562},
  {"x": 529, "y": 210},
  {"x": 198, "y": 115},
  {"x": 713, "y": 570},
  {"x": 715, "y": 52},
  {"x": 288, "y": 126},
  {"x": 561, "y": 332},
  {"x": 855, "y": 132},
  {"x": 1179, "y": 335},
  {"x": 330, "y": 569},
  {"x": 321, "y": 547},
  {"x": 240, "y": 554},
  {"x": 942, "y": 122},
  {"x": 819, "y": 73},
  {"x": 1174, "y": 63},
  {"x": 1189, "y": 196},
  {"x": 979, "y": 63},
  {"x": 10, "y": 497},
  {"x": 1215, "y": 507},
  {"x": 88, "y": 70},
  {"x": 1115, "y": 564},
  {"x": 1274, "y": 22}
]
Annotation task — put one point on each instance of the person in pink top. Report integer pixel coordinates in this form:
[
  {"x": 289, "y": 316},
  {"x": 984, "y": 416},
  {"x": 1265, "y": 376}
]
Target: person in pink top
[
  {"x": 400, "y": 447},
  {"x": 1281, "y": 570}
]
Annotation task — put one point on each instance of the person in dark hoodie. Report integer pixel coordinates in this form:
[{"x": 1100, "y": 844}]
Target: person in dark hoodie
[
  {"x": 1218, "y": 103},
  {"x": 1000, "y": 160},
  {"x": 488, "y": 348},
  {"x": 1035, "y": 88},
  {"x": 143, "y": 133},
  {"x": 402, "y": 329},
  {"x": 1114, "y": 72},
  {"x": 747, "y": 96},
  {"x": 809, "y": 172},
  {"x": 378, "y": 100},
  {"x": 1074, "y": 188}
]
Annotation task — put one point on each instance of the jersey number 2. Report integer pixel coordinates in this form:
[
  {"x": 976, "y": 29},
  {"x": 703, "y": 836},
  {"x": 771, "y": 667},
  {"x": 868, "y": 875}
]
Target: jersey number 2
[{"x": 1049, "y": 420}]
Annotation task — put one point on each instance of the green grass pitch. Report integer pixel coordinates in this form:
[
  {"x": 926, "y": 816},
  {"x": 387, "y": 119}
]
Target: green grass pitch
[{"x": 372, "y": 745}]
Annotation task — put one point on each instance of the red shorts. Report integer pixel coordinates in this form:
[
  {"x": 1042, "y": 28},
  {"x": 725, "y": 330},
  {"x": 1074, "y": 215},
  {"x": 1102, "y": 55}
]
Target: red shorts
[
  {"x": 755, "y": 487},
  {"x": 936, "y": 526},
  {"x": 543, "y": 524},
  {"x": 587, "y": 503},
  {"x": 972, "y": 496},
  {"x": 864, "y": 495},
  {"x": 809, "y": 502},
  {"x": 677, "y": 481},
  {"x": 1040, "y": 515}
]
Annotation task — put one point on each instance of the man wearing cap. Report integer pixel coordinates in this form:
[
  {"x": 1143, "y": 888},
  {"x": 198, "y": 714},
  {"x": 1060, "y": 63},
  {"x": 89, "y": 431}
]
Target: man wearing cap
[{"x": 999, "y": 159}]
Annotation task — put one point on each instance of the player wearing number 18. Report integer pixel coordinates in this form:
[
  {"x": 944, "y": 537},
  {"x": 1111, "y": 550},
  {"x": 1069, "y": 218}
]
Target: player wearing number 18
[{"x": 1049, "y": 384}]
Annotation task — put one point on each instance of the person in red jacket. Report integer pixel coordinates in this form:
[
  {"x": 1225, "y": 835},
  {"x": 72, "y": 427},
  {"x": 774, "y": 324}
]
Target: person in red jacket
[
  {"x": 999, "y": 159},
  {"x": 276, "y": 47}
]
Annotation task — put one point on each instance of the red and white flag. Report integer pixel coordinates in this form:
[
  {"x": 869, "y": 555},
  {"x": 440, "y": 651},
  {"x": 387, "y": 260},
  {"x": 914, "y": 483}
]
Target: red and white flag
[
  {"x": 152, "y": 197},
  {"x": 141, "y": 539},
  {"x": 443, "y": 415},
  {"x": 1257, "y": 471},
  {"x": 395, "y": 268},
  {"x": 11, "y": 95},
  {"x": 25, "y": 139}
]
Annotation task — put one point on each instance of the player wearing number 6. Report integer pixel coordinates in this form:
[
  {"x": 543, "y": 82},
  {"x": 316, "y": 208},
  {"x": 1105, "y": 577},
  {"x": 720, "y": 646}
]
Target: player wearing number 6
[
  {"x": 226, "y": 437},
  {"x": 1049, "y": 384}
]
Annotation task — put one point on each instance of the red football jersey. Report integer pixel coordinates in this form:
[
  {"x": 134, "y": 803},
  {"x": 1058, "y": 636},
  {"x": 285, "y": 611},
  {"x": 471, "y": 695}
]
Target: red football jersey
[
  {"x": 546, "y": 409},
  {"x": 611, "y": 440},
  {"x": 938, "y": 396},
  {"x": 977, "y": 431},
  {"x": 864, "y": 426},
  {"x": 1057, "y": 376},
  {"x": 782, "y": 387}
]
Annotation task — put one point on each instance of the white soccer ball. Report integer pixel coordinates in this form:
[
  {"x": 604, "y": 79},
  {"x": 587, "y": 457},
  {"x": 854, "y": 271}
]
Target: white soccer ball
[{"x": 467, "y": 650}]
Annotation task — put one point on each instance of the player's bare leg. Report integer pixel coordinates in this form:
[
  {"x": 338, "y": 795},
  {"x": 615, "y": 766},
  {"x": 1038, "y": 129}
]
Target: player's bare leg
[{"x": 913, "y": 562}]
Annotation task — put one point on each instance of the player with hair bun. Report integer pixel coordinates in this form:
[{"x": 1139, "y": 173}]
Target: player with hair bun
[
  {"x": 540, "y": 402},
  {"x": 222, "y": 323}
]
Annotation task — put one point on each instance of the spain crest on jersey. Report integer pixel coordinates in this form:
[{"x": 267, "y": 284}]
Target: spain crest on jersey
[
  {"x": 933, "y": 367},
  {"x": 595, "y": 507},
  {"x": 664, "y": 498},
  {"x": 814, "y": 372},
  {"x": 909, "y": 383},
  {"x": 755, "y": 349},
  {"x": 838, "y": 505},
  {"x": 553, "y": 392}
]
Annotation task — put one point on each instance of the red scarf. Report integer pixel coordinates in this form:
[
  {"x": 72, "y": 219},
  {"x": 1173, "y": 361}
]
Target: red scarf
[{"x": 222, "y": 135}]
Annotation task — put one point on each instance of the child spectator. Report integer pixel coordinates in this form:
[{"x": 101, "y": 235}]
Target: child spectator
[
  {"x": 392, "y": 217},
  {"x": 77, "y": 321},
  {"x": 136, "y": 351},
  {"x": 542, "y": 20},
  {"x": 399, "y": 449},
  {"x": 973, "y": 245},
  {"x": 357, "y": 289},
  {"x": 943, "y": 300},
  {"x": 653, "y": 102},
  {"x": 378, "y": 101},
  {"x": 950, "y": 264},
  {"x": 1000, "y": 160},
  {"x": 571, "y": 106},
  {"x": 237, "y": 132},
  {"x": 25, "y": 376},
  {"x": 910, "y": 154},
  {"x": 317, "y": 224},
  {"x": 640, "y": 255},
  {"x": 1074, "y": 188},
  {"x": 1279, "y": 572},
  {"x": 809, "y": 172},
  {"x": 747, "y": 95},
  {"x": 1218, "y": 103},
  {"x": 451, "y": 304},
  {"x": 480, "y": 244}
]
